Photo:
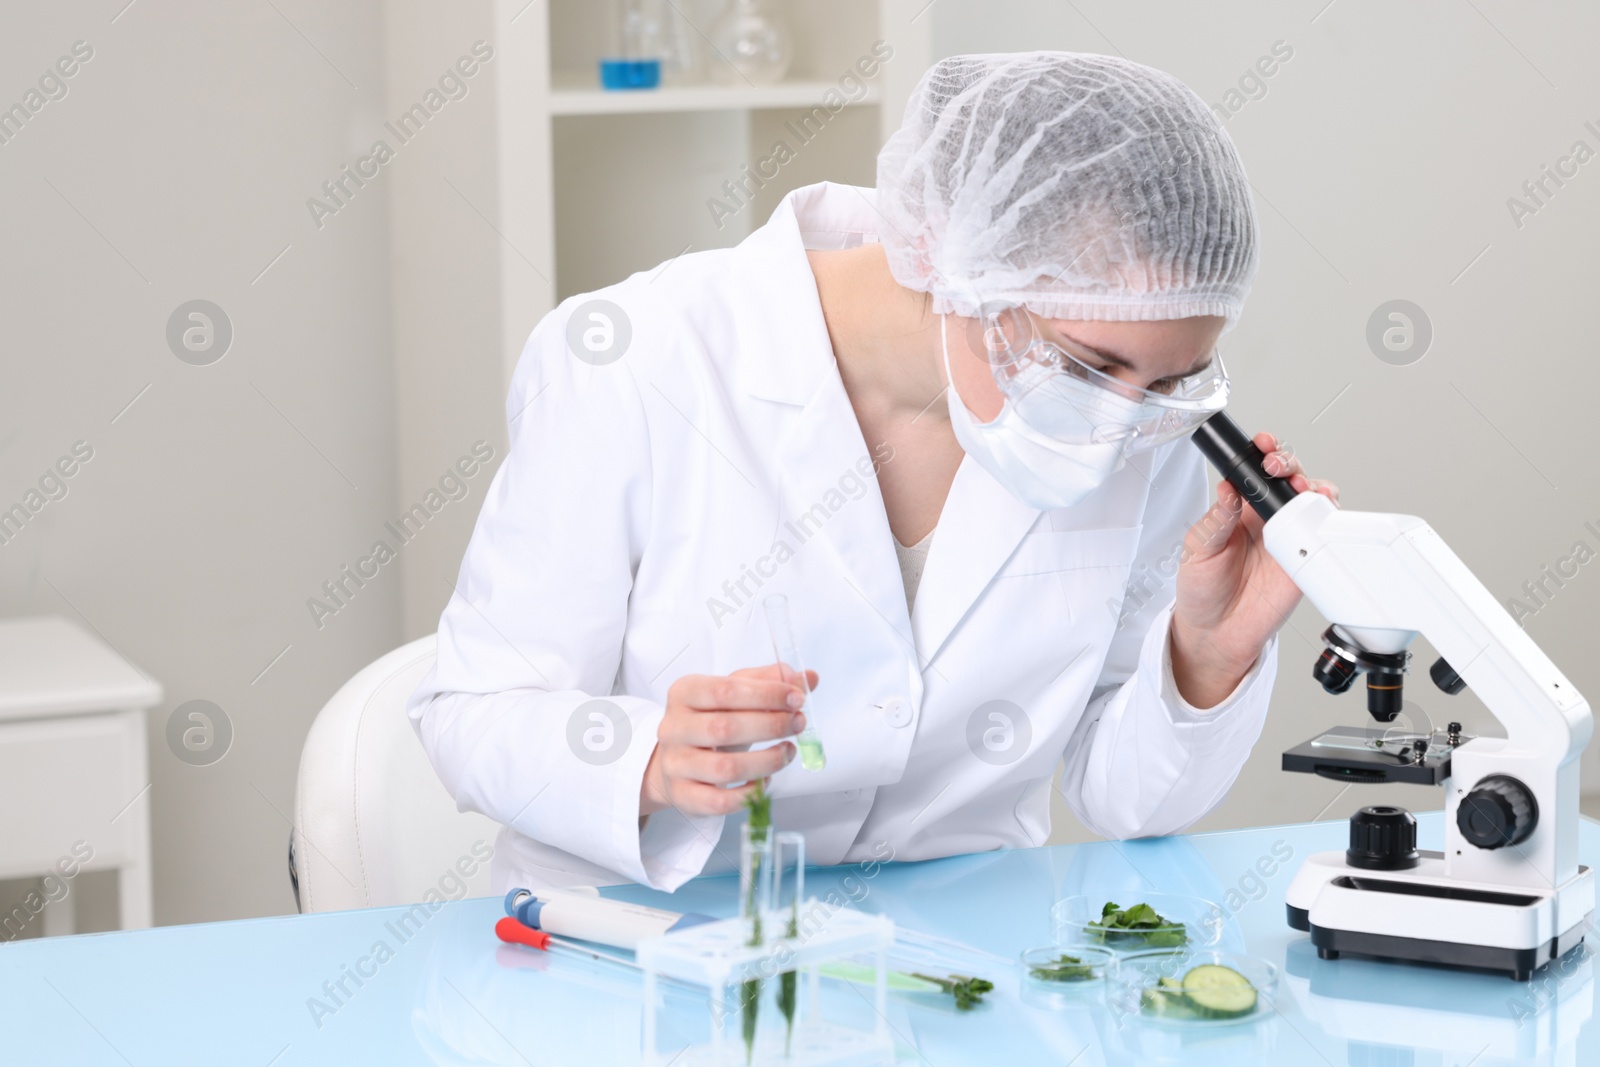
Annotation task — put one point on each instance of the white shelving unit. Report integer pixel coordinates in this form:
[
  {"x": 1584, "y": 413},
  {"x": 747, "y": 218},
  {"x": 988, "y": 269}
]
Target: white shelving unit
[
  {"x": 575, "y": 100},
  {"x": 594, "y": 185},
  {"x": 73, "y": 743}
]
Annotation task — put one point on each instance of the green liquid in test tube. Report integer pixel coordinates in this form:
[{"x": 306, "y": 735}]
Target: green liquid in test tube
[{"x": 809, "y": 742}]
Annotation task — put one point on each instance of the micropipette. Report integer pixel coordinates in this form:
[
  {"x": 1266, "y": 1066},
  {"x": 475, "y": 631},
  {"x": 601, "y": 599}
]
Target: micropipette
[
  {"x": 513, "y": 932},
  {"x": 809, "y": 741}
]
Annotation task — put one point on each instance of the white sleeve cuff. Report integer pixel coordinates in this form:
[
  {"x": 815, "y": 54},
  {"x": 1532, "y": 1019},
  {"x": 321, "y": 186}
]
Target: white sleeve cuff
[
  {"x": 669, "y": 848},
  {"x": 674, "y": 847},
  {"x": 509, "y": 756},
  {"x": 1180, "y": 710}
]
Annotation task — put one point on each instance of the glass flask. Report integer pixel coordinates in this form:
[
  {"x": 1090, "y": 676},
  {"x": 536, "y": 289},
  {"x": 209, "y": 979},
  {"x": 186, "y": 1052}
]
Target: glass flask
[
  {"x": 753, "y": 45},
  {"x": 633, "y": 56},
  {"x": 681, "y": 59}
]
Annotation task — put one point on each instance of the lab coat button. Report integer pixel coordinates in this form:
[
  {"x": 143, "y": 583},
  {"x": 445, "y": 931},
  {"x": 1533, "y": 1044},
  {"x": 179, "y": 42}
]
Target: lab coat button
[{"x": 896, "y": 712}]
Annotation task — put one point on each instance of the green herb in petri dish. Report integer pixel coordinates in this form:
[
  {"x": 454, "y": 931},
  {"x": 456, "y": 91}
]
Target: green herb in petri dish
[
  {"x": 1065, "y": 968},
  {"x": 1139, "y": 924}
]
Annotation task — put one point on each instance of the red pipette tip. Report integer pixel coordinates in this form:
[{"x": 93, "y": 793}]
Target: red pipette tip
[{"x": 514, "y": 933}]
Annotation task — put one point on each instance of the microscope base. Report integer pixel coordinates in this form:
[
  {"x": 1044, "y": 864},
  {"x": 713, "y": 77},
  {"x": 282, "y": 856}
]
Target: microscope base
[
  {"x": 1519, "y": 963},
  {"x": 1391, "y": 915}
]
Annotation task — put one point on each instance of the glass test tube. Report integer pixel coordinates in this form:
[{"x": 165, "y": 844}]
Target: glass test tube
[{"x": 809, "y": 741}]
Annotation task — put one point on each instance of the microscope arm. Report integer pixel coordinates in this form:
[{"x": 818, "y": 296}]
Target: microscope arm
[{"x": 1384, "y": 578}]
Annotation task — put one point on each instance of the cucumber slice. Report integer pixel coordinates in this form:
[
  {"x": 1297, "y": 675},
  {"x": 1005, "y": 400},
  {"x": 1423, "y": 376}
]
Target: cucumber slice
[
  {"x": 1166, "y": 1003},
  {"x": 1219, "y": 992},
  {"x": 1170, "y": 983}
]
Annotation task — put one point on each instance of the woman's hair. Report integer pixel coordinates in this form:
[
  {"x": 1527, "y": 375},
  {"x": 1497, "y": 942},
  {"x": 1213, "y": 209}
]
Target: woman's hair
[{"x": 1081, "y": 186}]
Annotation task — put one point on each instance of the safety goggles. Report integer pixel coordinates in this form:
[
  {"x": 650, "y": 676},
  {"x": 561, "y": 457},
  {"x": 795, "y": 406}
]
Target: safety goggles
[{"x": 1058, "y": 393}]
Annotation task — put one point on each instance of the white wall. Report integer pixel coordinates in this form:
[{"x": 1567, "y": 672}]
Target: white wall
[
  {"x": 445, "y": 214},
  {"x": 177, "y": 167},
  {"x": 1382, "y": 155}
]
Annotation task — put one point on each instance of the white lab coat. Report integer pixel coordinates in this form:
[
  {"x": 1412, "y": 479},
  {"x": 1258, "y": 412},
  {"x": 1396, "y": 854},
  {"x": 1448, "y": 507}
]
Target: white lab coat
[{"x": 648, "y": 505}]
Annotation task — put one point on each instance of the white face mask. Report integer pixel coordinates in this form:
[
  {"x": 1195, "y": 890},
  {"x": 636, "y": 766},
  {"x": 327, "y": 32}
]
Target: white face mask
[{"x": 1039, "y": 471}]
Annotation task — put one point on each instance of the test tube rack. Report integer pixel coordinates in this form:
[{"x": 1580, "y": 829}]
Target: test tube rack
[{"x": 715, "y": 955}]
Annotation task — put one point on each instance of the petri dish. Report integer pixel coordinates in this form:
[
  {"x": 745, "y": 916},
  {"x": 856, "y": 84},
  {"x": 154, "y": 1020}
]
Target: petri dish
[
  {"x": 1191, "y": 988},
  {"x": 1190, "y": 922},
  {"x": 1057, "y": 968}
]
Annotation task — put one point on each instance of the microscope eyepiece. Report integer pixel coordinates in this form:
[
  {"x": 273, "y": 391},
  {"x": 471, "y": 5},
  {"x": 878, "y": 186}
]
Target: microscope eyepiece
[{"x": 1231, "y": 451}]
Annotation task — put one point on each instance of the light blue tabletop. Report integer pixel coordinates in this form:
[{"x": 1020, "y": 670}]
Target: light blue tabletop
[{"x": 448, "y": 992}]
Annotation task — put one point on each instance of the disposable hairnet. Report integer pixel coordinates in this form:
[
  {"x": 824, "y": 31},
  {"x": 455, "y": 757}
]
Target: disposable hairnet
[{"x": 1081, "y": 186}]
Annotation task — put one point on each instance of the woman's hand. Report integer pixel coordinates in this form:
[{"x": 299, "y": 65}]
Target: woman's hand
[
  {"x": 1232, "y": 596},
  {"x": 711, "y": 721}
]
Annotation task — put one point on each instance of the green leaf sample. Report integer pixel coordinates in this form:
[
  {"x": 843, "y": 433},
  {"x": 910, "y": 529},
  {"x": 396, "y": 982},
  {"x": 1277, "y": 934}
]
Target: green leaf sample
[
  {"x": 1063, "y": 969},
  {"x": 968, "y": 992},
  {"x": 787, "y": 984},
  {"x": 759, "y": 805},
  {"x": 1139, "y": 924}
]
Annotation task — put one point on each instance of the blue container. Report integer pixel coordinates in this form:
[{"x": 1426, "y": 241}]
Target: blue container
[{"x": 630, "y": 73}]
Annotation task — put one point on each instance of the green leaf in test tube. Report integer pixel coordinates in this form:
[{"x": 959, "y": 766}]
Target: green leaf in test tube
[{"x": 809, "y": 742}]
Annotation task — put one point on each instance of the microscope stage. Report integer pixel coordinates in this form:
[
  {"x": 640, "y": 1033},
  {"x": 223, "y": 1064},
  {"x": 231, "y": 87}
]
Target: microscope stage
[{"x": 1371, "y": 755}]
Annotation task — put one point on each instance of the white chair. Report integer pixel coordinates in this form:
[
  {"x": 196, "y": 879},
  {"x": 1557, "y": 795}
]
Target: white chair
[{"x": 373, "y": 825}]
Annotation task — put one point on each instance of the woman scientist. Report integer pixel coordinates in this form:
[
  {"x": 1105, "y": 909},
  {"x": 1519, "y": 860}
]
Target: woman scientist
[{"x": 987, "y": 366}]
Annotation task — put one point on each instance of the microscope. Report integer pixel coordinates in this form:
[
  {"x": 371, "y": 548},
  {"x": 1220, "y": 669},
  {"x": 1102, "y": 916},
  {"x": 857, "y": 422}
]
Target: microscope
[{"x": 1507, "y": 894}]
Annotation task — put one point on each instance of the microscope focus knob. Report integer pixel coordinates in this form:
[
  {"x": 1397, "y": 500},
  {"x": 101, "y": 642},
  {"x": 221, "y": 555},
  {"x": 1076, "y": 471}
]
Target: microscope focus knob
[
  {"x": 1382, "y": 838},
  {"x": 1445, "y": 677},
  {"x": 1499, "y": 811}
]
